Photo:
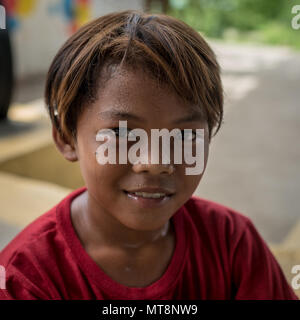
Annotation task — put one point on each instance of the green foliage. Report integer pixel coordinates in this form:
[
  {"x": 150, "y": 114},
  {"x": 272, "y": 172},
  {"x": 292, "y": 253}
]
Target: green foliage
[{"x": 260, "y": 20}]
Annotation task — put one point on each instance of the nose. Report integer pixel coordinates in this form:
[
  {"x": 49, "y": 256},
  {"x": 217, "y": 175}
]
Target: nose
[{"x": 154, "y": 169}]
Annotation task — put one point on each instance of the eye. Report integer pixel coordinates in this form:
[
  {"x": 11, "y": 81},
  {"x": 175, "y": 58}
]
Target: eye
[
  {"x": 188, "y": 134},
  {"x": 122, "y": 132}
]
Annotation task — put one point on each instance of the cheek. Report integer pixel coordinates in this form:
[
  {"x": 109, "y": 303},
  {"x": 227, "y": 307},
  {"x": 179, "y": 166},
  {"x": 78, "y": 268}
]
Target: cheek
[
  {"x": 186, "y": 183},
  {"x": 102, "y": 179},
  {"x": 191, "y": 182}
]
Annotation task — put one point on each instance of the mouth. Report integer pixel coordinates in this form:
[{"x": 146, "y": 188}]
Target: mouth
[{"x": 150, "y": 197}]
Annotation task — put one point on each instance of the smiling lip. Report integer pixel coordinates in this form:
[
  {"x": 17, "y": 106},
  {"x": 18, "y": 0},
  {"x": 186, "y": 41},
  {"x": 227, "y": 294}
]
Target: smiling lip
[
  {"x": 144, "y": 202},
  {"x": 151, "y": 190}
]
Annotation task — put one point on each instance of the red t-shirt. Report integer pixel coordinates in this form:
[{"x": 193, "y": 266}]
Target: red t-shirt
[{"x": 218, "y": 255}]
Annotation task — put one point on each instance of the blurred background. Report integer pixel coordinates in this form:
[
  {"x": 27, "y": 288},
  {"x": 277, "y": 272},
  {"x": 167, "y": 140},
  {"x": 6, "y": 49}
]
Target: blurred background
[{"x": 254, "y": 162}]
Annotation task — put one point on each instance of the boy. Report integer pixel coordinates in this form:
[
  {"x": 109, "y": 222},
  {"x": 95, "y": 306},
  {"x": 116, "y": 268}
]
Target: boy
[{"x": 135, "y": 231}]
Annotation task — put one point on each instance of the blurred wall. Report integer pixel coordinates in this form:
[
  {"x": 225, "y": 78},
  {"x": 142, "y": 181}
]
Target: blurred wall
[{"x": 39, "y": 27}]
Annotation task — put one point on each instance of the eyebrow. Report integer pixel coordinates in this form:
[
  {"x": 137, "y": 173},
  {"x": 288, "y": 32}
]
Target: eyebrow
[
  {"x": 124, "y": 115},
  {"x": 191, "y": 117},
  {"x": 118, "y": 114}
]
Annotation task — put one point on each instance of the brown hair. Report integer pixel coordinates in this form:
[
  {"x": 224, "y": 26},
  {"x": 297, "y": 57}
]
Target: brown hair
[{"x": 166, "y": 48}]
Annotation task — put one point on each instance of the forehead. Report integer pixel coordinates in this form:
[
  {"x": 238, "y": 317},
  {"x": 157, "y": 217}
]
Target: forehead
[{"x": 137, "y": 92}]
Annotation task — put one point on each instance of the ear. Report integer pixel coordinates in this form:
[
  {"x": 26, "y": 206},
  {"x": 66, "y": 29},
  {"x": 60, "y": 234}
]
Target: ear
[{"x": 66, "y": 149}]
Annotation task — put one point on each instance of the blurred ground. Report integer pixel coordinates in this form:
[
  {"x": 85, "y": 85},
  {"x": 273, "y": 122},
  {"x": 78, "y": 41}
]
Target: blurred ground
[{"x": 253, "y": 163}]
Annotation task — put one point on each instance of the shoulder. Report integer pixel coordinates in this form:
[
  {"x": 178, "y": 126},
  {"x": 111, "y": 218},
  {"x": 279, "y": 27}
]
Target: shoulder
[
  {"x": 43, "y": 232},
  {"x": 217, "y": 225},
  {"x": 29, "y": 236},
  {"x": 216, "y": 215},
  {"x": 21, "y": 258},
  {"x": 34, "y": 252}
]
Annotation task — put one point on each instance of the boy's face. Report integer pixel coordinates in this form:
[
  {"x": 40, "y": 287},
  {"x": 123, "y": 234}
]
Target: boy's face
[{"x": 151, "y": 107}]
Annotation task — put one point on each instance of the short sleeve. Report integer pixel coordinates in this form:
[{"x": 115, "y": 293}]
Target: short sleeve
[
  {"x": 256, "y": 273},
  {"x": 20, "y": 294},
  {"x": 18, "y": 287}
]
